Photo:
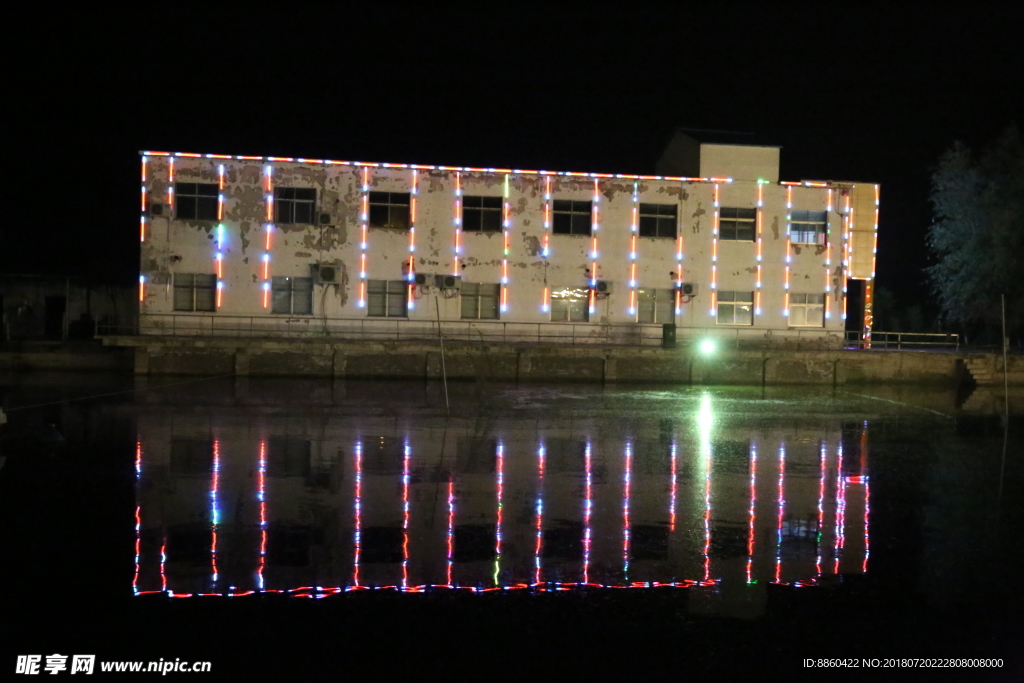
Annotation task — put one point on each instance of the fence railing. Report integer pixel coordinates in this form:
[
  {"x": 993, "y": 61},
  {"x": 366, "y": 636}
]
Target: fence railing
[
  {"x": 471, "y": 331},
  {"x": 901, "y": 340}
]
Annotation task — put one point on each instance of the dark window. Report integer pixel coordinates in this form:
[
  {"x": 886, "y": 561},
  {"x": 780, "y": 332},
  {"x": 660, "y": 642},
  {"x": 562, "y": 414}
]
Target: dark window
[
  {"x": 389, "y": 210},
  {"x": 387, "y": 298},
  {"x": 480, "y": 300},
  {"x": 735, "y": 308},
  {"x": 658, "y": 220},
  {"x": 195, "y": 292},
  {"x": 474, "y": 542},
  {"x": 737, "y": 224},
  {"x": 808, "y": 227},
  {"x": 383, "y": 455},
  {"x": 572, "y": 217},
  {"x": 191, "y": 456},
  {"x": 570, "y": 304},
  {"x": 474, "y": 455},
  {"x": 481, "y": 214},
  {"x": 292, "y": 295},
  {"x": 195, "y": 201},
  {"x": 655, "y": 305},
  {"x": 294, "y": 205},
  {"x": 288, "y": 456},
  {"x": 807, "y": 310}
]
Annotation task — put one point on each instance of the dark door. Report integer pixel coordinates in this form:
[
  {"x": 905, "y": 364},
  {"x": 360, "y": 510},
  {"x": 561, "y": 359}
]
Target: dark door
[
  {"x": 54, "y": 326},
  {"x": 3, "y": 320},
  {"x": 855, "y": 306}
]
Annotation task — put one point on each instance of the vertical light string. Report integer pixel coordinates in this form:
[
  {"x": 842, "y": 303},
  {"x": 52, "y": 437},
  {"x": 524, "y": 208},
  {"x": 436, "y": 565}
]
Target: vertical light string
[
  {"x": 410, "y": 299},
  {"x": 214, "y": 510},
  {"x": 458, "y": 222},
  {"x": 759, "y": 225},
  {"x": 451, "y": 526},
  {"x": 505, "y": 225},
  {"x": 142, "y": 288},
  {"x": 752, "y": 513},
  {"x": 714, "y": 250},
  {"x": 867, "y": 517},
  {"x": 219, "y": 242},
  {"x": 268, "y": 183},
  {"x": 545, "y": 302},
  {"x": 170, "y": 185},
  {"x": 142, "y": 219},
  {"x": 138, "y": 516},
  {"x": 358, "y": 532},
  {"x": 707, "y": 513},
  {"x": 840, "y": 511},
  {"x": 822, "y": 458},
  {"x": 672, "y": 494},
  {"x": 789, "y": 249},
  {"x": 847, "y": 247},
  {"x": 539, "y": 517},
  {"x": 874, "y": 243},
  {"x": 587, "y": 508},
  {"x": 405, "y": 516},
  {"x": 781, "y": 511},
  {"x": 634, "y": 230},
  {"x": 163, "y": 565},
  {"x": 828, "y": 257},
  {"x": 500, "y": 491},
  {"x": 626, "y": 485},
  {"x": 364, "y": 219},
  {"x": 261, "y": 497},
  {"x": 595, "y": 224},
  {"x": 679, "y": 263}
]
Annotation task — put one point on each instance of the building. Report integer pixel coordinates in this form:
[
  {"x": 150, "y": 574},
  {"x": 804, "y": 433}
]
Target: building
[
  {"x": 272, "y": 246},
  {"x": 56, "y": 308}
]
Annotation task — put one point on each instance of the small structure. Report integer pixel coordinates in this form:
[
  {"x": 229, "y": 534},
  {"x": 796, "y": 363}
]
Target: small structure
[
  {"x": 714, "y": 245},
  {"x": 45, "y": 307}
]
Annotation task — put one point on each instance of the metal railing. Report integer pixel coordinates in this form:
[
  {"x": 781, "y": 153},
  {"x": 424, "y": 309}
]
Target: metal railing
[
  {"x": 901, "y": 340},
  {"x": 470, "y": 331}
]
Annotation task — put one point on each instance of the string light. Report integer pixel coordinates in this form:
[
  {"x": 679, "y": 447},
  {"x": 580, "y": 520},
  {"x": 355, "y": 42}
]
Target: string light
[
  {"x": 752, "y": 512},
  {"x": 505, "y": 225},
  {"x": 714, "y": 250},
  {"x": 539, "y": 511},
  {"x": 364, "y": 242},
  {"x": 142, "y": 288},
  {"x": 759, "y": 221},
  {"x": 781, "y": 512},
  {"x": 588, "y": 503},
  {"x": 634, "y": 231},
  {"x": 405, "y": 516},
  {"x": 500, "y": 490},
  {"x": 626, "y": 481},
  {"x": 261, "y": 496},
  {"x": 458, "y": 222}
]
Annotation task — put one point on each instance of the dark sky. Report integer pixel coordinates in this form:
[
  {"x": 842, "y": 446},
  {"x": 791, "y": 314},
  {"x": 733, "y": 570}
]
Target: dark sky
[{"x": 849, "y": 94}]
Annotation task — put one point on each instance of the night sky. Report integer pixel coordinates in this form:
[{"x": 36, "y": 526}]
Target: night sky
[{"x": 849, "y": 94}]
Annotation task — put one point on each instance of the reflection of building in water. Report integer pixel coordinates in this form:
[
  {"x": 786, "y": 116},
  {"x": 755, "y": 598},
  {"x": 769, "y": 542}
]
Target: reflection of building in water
[{"x": 228, "y": 503}]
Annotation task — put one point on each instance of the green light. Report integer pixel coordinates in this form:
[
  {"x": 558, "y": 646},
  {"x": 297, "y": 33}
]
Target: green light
[{"x": 707, "y": 347}]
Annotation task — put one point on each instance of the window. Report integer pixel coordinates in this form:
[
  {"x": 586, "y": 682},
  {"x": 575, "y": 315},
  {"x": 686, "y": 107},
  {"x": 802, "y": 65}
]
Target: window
[
  {"x": 294, "y": 205},
  {"x": 807, "y": 310},
  {"x": 195, "y": 292},
  {"x": 292, "y": 295},
  {"x": 655, "y": 305},
  {"x": 570, "y": 304},
  {"x": 735, "y": 308},
  {"x": 572, "y": 217},
  {"x": 807, "y": 227},
  {"x": 196, "y": 201},
  {"x": 658, "y": 220},
  {"x": 389, "y": 210},
  {"x": 288, "y": 456},
  {"x": 737, "y": 225},
  {"x": 480, "y": 301},
  {"x": 481, "y": 214},
  {"x": 387, "y": 298}
]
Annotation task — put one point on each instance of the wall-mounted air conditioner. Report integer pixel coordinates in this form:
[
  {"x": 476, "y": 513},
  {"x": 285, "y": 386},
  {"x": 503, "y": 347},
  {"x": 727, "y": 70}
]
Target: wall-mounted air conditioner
[
  {"x": 687, "y": 288},
  {"x": 448, "y": 281},
  {"x": 325, "y": 274},
  {"x": 326, "y": 219},
  {"x": 422, "y": 279},
  {"x": 157, "y": 209},
  {"x": 603, "y": 287}
]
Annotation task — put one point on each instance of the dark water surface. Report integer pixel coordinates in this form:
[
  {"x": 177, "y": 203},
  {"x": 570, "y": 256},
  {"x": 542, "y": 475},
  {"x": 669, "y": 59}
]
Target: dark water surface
[{"x": 311, "y": 527}]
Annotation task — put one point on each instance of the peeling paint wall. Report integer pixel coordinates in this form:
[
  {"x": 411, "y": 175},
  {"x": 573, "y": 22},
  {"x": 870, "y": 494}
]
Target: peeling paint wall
[{"x": 182, "y": 246}]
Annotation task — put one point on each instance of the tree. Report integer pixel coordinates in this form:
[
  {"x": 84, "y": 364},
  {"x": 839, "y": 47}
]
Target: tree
[{"x": 977, "y": 234}]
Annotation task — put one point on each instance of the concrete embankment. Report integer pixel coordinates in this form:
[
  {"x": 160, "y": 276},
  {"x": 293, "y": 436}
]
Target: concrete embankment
[
  {"x": 526, "y": 362},
  {"x": 512, "y": 362}
]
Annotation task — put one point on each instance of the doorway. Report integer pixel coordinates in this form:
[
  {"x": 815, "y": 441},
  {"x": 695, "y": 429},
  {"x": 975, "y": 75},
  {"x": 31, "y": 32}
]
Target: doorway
[{"x": 56, "y": 306}]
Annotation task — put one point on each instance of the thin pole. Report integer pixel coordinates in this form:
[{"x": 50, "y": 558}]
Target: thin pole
[
  {"x": 1006, "y": 385},
  {"x": 444, "y": 371}
]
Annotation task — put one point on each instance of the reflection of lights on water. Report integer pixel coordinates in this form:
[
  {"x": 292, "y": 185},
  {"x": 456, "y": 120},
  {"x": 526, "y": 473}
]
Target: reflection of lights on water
[
  {"x": 752, "y": 513},
  {"x": 625, "y": 510},
  {"x": 705, "y": 420},
  {"x": 587, "y": 506},
  {"x": 500, "y": 494},
  {"x": 356, "y": 536},
  {"x": 540, "y": 515},
  {"x": 405, "y": 516},
  {"x": 781, "y": 511}
]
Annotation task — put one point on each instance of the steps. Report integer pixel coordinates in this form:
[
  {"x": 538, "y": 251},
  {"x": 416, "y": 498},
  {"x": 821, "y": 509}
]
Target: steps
[{"x": 981, "y": 369}]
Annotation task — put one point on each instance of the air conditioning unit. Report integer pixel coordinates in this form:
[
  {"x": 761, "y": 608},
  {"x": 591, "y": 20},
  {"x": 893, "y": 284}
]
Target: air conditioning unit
[
  {"x": 420, "y": 278},
  {"x": 326, "y": 219},
  {"x": 687, "y": 288},
  {"x": 603, "y": 287},
  {"x": 448, "y": 281},
  {"x": 157, "y": 209},
  {"x": 325, "y": 275}
]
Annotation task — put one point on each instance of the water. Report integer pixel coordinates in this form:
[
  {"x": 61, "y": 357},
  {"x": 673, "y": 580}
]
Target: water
[{"x": 196, "y": 518}]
